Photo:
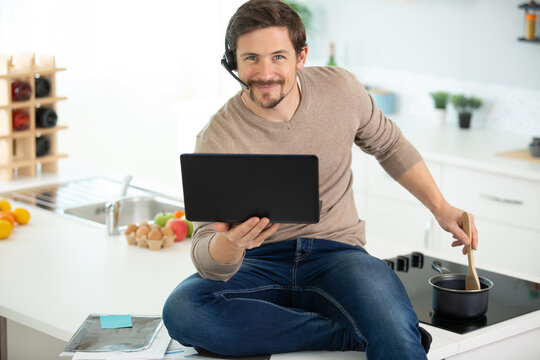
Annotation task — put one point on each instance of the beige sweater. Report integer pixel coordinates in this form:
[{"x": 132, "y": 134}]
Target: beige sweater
[{"x": 335, "y": 111}]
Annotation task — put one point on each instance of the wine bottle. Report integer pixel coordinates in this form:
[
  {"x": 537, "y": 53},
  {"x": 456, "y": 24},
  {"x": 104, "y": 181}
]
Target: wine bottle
[
  {"x": 20, "y": 91},
  {"x": 332, "y": 61},
  {"x": 43, "y": 87},
  {"x": 43, "y": 146},
  {"x": 45, "y": 118},
  {"x": 20, "y": 120}
]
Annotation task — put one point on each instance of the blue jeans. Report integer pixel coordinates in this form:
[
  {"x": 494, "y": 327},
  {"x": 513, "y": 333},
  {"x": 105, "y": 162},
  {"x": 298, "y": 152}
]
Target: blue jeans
[{"x": 303, "y": 294}]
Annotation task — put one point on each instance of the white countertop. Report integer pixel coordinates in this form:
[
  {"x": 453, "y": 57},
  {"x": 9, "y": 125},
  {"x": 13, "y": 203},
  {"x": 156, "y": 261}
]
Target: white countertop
[
  {"x": 473, "y": 148},
  {"x": 56, "y": 270}
]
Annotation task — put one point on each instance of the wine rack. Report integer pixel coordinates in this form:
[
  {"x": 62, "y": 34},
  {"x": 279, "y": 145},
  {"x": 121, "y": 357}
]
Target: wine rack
[{"x": 18, "y": 147}]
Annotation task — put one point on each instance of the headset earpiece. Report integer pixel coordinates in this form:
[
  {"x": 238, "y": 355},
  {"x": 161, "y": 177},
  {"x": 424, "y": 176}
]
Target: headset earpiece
[
  {"x": 229, "y": 63},
  {"x": 229, "y": 57}
]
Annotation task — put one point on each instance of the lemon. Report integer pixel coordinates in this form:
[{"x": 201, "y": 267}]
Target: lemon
[
  {"x": 5, "y": 229},
  {"x": 9, "y": 217},
  {"x": 21, "y": 216},
  {"x": 5, "y": 205}
]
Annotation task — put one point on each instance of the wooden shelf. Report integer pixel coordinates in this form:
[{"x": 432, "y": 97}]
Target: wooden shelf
[
  {"x": 18, "y": 148},
  {"x": 32, "y": 103},
  {"x": 30, "y": 73},
  {"x": 47, "y": 159},
  {"x": 37, "y": 131},
  {"x": 528, "y": 6},
  {"x": 537, "y": 41}
]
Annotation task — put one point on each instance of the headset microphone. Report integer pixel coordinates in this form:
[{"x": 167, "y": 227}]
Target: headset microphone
[
  {"x": 229, "y": 63},
  {"x": 226, "y": 66}
]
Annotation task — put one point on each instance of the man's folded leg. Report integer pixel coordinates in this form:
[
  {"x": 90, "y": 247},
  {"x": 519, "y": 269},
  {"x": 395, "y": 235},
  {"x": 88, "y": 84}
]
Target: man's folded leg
[{"x": 250, "y": 314}]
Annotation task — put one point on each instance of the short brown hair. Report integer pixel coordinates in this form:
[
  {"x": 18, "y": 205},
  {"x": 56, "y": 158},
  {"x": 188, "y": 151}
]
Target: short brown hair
[{"x": 259, "y": 14}]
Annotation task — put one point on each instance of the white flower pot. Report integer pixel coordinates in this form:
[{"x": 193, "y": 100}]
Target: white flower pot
[{"x": 440, "y": 117}]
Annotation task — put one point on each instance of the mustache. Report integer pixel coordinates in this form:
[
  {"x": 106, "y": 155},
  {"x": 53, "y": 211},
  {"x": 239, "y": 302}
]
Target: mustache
[{"x": 265, "y": 83}]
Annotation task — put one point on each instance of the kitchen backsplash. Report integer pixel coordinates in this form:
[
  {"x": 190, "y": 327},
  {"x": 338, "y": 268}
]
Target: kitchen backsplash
[{"x": 511, "y": 109}]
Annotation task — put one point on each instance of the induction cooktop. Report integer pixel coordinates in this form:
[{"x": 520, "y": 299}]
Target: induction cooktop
[{"x": 510, "y": 297}]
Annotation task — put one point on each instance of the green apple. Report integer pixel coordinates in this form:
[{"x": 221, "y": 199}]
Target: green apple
[
  {"x": 189, "y": 227},
  {"x": 162, "y": 218}
]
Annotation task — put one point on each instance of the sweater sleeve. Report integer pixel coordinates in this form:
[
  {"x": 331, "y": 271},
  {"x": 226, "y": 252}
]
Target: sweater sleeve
[
  {"x": 379, "y": 136},
  {"x": 206, "y": 266},
  {"x": 203, "y": 233}
]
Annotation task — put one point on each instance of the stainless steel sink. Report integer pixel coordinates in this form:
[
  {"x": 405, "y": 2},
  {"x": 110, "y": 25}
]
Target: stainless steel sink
[
  {"x": 86, "y": 199},
  {"x": 60, "y": 196},
  {"x": 131, "y": 210}
]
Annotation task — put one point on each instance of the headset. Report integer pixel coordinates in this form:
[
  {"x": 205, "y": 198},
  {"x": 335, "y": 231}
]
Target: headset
[{"x": 229, "y": 63}]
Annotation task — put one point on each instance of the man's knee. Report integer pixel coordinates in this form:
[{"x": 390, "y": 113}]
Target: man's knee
[{"x": 181, "y": 312}]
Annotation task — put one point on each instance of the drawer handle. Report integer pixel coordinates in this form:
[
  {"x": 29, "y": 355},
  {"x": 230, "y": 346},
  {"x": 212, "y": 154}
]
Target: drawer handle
[{"x": 501, "y": 200}]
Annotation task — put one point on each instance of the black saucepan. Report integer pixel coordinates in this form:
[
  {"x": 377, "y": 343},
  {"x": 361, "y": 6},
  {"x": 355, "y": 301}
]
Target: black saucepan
[{"x": 452, "y": 301}]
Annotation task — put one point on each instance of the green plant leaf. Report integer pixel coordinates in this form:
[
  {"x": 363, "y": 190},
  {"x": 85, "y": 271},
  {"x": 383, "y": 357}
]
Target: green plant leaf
[{"x": 440, "y": 98}]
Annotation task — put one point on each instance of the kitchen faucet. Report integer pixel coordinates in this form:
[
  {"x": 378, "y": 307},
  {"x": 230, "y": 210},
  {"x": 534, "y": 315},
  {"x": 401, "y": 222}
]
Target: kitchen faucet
[{"x": 112, "y": 208}]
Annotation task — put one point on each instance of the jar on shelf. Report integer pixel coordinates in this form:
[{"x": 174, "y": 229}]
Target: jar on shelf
[
  {"x": 43, "y": 146},
  {"x": 45, "y": 117},
  {"x": 530, "y": 22},
  {"x": 20, "y": 120},
  {"x": 43, "y": 86},
  {"x": 20, "y": 90}
]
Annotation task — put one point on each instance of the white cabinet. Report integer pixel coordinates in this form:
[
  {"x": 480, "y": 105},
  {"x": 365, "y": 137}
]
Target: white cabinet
[
  {"x": 389, "y": 210},
  {"x": 501, "y": 198},
  {"x": 507, "y": 216},
  {"x": 509, "y": 247},
  {"x": 397, "y": 221},
  {"x": 506, "y": 211}
]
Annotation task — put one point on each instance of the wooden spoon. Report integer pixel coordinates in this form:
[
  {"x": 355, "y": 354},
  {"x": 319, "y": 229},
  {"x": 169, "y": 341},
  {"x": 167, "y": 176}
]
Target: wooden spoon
[{"x": 471, "y": 282}]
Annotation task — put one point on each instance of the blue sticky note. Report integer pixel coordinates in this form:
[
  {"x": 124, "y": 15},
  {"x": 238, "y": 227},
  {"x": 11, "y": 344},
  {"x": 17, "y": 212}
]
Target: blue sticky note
[{"x": 115, "y": 321}]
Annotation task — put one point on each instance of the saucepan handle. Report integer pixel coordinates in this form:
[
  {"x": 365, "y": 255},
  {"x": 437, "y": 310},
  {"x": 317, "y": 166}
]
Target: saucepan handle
[{"x": 437, "y": 266}]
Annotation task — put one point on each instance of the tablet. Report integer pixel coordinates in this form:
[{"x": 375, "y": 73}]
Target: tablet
[{"x": 235, "y": 187}]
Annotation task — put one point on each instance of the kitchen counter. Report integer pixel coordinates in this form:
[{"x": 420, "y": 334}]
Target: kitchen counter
[
  {"x": 57, "y": 270},
  {"x": 473, "y": 148}
]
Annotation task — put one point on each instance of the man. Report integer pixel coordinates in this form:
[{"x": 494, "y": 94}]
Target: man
[{"x": 271, "y": 288}]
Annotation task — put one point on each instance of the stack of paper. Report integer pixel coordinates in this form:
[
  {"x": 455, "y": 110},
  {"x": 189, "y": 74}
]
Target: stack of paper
[
  {"x": 126, "y": 337},
  {"x": 116, "y": 337}
]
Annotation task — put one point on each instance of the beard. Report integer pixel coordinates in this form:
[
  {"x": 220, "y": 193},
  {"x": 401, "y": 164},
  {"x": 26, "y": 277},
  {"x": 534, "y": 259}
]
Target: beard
[{"x": 266, "y": 101}]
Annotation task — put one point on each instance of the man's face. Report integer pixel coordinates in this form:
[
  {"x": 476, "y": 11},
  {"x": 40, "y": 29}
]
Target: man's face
[{"x": 268, "y": 63}]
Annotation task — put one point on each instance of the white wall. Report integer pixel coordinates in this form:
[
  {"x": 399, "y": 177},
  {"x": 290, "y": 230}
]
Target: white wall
[
  {"x": 416, "y": 46},
  {"x": 129, "y": 64},
  {"x": 467, "y": 39},
  {"x": 143, "y": 77}
]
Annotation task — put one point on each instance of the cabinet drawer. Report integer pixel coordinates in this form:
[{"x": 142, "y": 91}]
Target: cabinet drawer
[
  {"x": 500, "y": 247},
  {"x": 508, "y": 247},
  {"x": 495, "y": 197},
  {"x": 382, "y": 184},
  {"x": 396, "y": 221}
]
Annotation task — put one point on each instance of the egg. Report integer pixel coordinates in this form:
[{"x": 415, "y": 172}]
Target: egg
[
  {"x": 131, "y": 229},
  {"x": 155, "y": 227},
  {"x": 145, "y": 224},
  {"x": 142, "y": 231},
  {"x": 154, "y": 235},
  {"x": 167, "y": 231}
]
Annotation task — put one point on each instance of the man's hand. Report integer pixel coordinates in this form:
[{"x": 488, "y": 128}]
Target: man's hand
[
  {"x": 449, "y": 218},
  {"x": 231, "y": 240}
]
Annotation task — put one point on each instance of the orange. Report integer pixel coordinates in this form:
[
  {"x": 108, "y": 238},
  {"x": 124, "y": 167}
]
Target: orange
[
  {"x": 21, "y": 216},
  {"x": 4, "y": 215},
  {"x": 5, "y": 229},
  {"x": 5, "y": 205},
  {"x": 179, "y": 213}
]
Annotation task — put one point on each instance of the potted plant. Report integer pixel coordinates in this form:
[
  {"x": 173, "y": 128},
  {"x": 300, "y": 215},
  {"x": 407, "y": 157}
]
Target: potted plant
[
  {"x": 303, "y": 11},
  {"x": 440, "y": 99},
  {"x": 465, "y": 106}
]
